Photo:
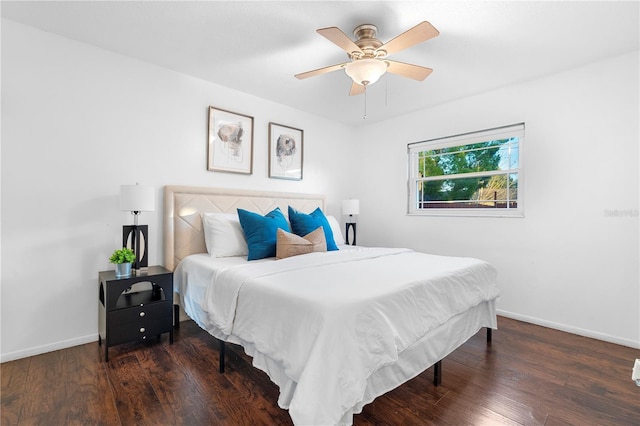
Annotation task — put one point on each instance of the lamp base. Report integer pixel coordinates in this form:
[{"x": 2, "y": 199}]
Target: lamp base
[
  {"x": 346, "y": 234},
  {"x": 135, "y": 237}
]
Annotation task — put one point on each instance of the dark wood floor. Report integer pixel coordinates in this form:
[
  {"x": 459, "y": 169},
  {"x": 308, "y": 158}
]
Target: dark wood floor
[{"x": 529, "y": 375}]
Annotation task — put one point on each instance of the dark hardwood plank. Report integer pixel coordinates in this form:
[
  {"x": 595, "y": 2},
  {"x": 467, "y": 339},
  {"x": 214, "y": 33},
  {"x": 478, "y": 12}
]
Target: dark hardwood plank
[
  {"x": 136, "y": 399},
  {"x": 46, "y": 389},
  {"x": 528, "y": 375},
  {"x": 89, "y": 397},
  {"x": 171, "y": 384},
  {"x": 254, "y": 388},
  {"x": 13, "y": 391},
  {"x": 201, "y": 358}
]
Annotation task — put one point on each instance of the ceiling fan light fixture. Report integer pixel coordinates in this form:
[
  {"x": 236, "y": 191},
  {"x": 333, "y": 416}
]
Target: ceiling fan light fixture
[{"x": 366, "y": 71}]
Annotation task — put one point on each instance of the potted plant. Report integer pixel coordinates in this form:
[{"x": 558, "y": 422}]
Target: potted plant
[{"x": 123, "y": 258}]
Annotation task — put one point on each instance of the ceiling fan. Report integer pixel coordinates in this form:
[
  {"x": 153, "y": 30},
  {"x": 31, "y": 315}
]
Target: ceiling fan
[{"x": 368, "y": 54}]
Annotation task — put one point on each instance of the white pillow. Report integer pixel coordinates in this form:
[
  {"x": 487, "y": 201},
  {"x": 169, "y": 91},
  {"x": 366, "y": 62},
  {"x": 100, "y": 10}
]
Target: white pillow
[
  {"x": 335, "y": 228},
  {"x": 223, "y": 235}
]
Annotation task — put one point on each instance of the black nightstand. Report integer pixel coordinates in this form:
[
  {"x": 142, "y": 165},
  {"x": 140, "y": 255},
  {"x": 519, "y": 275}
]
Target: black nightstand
[{"x": 135, "y": 308}]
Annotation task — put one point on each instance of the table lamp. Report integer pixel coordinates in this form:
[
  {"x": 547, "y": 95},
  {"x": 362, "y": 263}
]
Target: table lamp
[
  {"x": 350, "y": 208},
  {"x": 136, "y": 199}
]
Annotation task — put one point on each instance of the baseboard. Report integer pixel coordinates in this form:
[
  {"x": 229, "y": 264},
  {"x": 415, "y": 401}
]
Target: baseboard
[
  {"x": 37, "y": 350},
  {"x": 569, "y": 329}
]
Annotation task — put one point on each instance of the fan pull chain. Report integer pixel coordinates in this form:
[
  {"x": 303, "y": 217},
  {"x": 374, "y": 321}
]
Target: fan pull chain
[{"x": 364, "y": 117}]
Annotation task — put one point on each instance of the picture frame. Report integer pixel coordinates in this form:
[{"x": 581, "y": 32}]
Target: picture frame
[
  {"x": 286, "y": 145},
  {"x": 230, "y": 142}
]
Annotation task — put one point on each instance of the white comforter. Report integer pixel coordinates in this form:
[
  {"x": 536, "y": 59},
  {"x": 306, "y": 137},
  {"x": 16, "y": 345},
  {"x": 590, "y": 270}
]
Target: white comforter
[{"x": 332, "y": 319}]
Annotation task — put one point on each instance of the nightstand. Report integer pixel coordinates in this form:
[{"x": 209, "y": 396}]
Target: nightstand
[{"x": 134, "y": 308}]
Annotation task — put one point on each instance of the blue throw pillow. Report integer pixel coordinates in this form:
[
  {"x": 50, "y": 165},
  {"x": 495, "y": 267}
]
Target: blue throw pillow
[
  {"x": 261, "y": 231},
  {"x": 303, "y": 224}
]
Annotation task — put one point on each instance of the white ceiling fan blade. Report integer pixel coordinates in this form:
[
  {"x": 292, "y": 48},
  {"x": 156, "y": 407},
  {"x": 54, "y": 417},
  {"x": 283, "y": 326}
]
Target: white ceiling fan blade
[
  {"x": 421, "y": 32},
  {"x": 340, "y": 39},
  {"x": 415, "y": 72},
  {"x": 356, "y": 89},
  {"x": 319, "y": 71}
]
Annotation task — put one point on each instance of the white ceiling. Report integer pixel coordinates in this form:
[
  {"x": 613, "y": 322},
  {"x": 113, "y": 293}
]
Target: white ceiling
[{"x": 257, "y": 47}]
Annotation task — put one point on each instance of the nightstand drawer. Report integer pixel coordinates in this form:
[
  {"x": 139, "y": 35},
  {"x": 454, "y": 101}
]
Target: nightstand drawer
[
  {"x": 140, "y": 329},
  {"x": 135, "y": 314}
]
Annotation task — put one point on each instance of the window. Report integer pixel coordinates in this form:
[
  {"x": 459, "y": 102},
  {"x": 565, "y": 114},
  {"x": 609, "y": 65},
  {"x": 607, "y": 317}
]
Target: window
[{"x": 474, "y": 174}]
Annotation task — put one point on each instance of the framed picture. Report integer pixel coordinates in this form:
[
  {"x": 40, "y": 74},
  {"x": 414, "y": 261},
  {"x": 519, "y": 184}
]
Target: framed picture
[
  {"x": 230, "y": 146},
  {"x": 285, "y": 152}
]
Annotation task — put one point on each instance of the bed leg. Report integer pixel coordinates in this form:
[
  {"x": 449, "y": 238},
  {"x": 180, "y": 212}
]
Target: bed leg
[
  {"x": 222, "y": 351},
  {"x": 176, "y": 316},
  {"x": 437, "y": 373},
  {"x": 489, "y": 332}
]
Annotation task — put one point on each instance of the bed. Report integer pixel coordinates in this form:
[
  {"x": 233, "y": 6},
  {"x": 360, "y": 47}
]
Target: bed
[{"x": 334, "y": 329}]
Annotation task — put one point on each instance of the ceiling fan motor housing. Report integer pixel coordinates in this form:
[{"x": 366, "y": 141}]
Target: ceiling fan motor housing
[{"x": 367, "y": 42}]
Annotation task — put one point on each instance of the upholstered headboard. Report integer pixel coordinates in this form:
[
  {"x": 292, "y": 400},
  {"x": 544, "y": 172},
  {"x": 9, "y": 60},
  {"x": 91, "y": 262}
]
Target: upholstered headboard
[{"x": 183, "y": 234}]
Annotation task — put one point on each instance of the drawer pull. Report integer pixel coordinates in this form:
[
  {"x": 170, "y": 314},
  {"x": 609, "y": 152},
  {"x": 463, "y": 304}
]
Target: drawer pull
[
  {"x": 144, "y": 337},
  {"x": 141, "y": 314},
  {"x": 141, "y": 329}
]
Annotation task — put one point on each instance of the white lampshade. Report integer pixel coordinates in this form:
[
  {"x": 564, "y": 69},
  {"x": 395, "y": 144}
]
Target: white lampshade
[
  {"x": 351, "y": 207},
  {"x": 137, "y": 198},
  {"x": 366, "y": 71}
]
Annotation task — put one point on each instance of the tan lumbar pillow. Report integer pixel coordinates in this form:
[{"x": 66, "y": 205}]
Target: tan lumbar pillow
[{"x": 288, "y": 244}]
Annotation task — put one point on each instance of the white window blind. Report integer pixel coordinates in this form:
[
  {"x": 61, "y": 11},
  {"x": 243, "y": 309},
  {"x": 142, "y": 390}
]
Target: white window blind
[{"x": 472, "y": 174}]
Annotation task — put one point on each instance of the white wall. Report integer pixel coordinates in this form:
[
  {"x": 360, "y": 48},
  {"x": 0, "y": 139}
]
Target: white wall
[
  {"x": 78, "y": 122},
  {"x": 571, "y": 263}
]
